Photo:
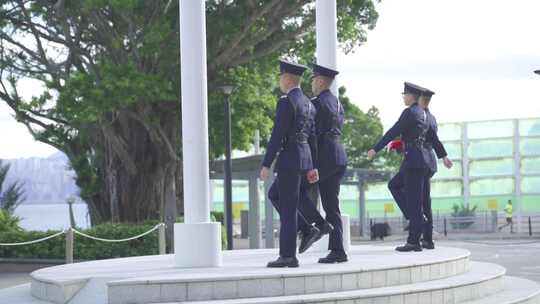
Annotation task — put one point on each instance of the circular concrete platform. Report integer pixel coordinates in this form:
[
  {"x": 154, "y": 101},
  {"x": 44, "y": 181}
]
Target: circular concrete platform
[{"x": 243, "y": 275}]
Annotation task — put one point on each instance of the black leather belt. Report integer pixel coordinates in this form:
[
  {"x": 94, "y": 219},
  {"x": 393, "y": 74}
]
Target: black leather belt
[
  {"x": 297, "y": 138},
  {"x": 331, "y": 136},
  {"x": 417, "y": 143}
]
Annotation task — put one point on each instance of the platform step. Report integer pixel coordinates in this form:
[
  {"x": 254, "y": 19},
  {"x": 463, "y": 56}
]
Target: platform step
[
  {"x": 247, "y": 277},
  {"x": 516, "y": 291},
  {"x": 484, "y": 279},
  {"x": 19, "y": 295}
]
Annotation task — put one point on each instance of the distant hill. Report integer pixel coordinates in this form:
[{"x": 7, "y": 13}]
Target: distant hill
[{"x": 46, "y": 180}]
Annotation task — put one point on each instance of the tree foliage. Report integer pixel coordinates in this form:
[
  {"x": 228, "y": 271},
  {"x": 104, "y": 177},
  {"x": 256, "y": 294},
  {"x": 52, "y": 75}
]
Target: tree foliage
[
  {"x": 12, "y": 195},
  {"x": 360, "y": 132},
  {"x": 109, "y": 73},
  {"x": 8, "y": 222}
]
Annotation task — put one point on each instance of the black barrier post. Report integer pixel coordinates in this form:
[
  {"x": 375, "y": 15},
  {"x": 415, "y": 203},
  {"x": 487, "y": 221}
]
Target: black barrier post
[
  {"x": 445, "y": 231},
  {"x": 371, "y": 229},
  {"x": 530, "y": 227}
]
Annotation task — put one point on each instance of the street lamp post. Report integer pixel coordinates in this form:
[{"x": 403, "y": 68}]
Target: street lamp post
[{"x": 227, "y": 91}]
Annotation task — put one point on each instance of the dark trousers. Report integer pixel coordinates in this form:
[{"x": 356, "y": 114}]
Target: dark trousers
[
  {"x": 415, "y": 179},
  {"x": 307, "y": 210},
  {"x": 273, "y": 195},
  {"x": 288, "y": 191},
  {"x": 329, "y": 190},
  {"x": 426, "y": 208},
  {"x": 396, "y": 186},
  {"x": 307, "y": 206}
]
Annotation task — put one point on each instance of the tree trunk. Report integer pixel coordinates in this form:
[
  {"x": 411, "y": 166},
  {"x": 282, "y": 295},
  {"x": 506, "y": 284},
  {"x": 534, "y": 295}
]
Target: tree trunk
[
  {"x": 139, "y": 160},
  {"x": 111, "y": 181}
]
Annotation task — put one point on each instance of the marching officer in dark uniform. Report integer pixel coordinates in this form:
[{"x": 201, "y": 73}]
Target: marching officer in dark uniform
[
  {"x": 396, "y": 184},
  {"x": 309, "y": 233},
  {"x": 332, "y": 159},
  {"x": 289, "y": 138},
  {"x": 432, "y": 144},
  {"x": 413, "y": 128}
]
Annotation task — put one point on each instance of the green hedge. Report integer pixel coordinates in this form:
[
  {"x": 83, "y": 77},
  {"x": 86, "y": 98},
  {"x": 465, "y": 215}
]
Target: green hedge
[{"x": 87, "y": 249}]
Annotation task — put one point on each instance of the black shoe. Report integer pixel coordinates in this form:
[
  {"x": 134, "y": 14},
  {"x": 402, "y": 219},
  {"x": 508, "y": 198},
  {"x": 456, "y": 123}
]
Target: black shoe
[
  {"x": 325, "y": 228},
  {"x": 307, "y": 239},
  {"x": 409, "y": 247},
  {"x": 282, "y": 262},
  {"x": 428, "y": 245},
  {"x": 334, "y": 257}
]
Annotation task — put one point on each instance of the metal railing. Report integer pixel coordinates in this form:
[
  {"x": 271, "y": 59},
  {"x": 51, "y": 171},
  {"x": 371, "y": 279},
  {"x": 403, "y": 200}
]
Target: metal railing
[
  {"x": 530, "y": 223},
  {"x": 70, "y": 240},
  {"x": 481, "y": 222}
]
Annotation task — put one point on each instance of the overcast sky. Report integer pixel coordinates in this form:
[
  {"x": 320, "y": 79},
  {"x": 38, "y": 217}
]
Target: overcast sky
[{"x": 477, "y": 55}]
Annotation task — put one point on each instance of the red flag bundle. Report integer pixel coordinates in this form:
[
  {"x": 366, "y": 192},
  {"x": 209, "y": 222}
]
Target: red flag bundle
[{"x": 396, "y": 145}]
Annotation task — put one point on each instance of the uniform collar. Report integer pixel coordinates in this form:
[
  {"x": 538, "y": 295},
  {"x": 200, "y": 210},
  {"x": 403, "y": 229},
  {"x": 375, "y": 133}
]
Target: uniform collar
[
  {"x": 292, "y": 89},
  {"x": 324, "y": 92}
]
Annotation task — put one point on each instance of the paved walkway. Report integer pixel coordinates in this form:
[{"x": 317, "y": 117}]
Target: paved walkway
[
  {"x": 519, "y": 256},
  {"x": 13, "y": 278}
]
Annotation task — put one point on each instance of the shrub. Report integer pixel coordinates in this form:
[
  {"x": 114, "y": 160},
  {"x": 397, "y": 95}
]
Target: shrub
[
  {"x": 217, "y": 216},
  {"x": 462, "y": 210},
  {"x": 8, "y": 222},
  {"x": 84, "y": 248},
  {"x": 463, "y": 216}
]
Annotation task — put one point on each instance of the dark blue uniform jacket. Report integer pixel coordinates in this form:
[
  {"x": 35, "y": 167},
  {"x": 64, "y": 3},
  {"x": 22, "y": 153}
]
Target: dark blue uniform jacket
[
  {"x": 414, "y": 128},
  {"x": 293, "y": 134},
  {"x": 329, "y": 123}
]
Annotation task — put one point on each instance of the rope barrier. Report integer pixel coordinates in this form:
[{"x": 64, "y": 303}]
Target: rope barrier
[
  {"x": 117, "y": 241},
  {"x": 84, "y": 235},
  {"x": 35, "y": 241}
]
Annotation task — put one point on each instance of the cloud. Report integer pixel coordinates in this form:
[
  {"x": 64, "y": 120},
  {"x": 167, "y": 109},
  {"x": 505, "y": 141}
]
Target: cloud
[
  {"x": 16, "y": 140},
  {"x": 477, "y": 55}
]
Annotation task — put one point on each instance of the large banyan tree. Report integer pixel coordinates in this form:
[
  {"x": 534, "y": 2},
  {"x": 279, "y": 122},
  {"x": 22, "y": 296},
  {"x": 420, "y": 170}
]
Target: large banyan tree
[{"x": 100, "y": 81}]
